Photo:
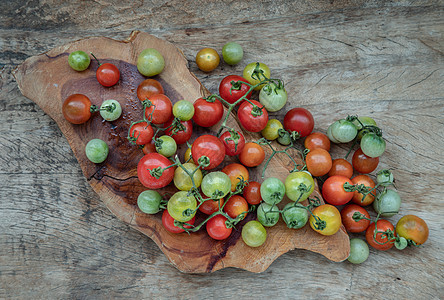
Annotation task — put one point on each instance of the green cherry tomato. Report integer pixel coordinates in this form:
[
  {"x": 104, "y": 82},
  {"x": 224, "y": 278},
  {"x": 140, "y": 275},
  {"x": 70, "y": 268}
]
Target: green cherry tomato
[
  {"x": 96, "y": 150},
  {"x": 358, "y": 251},
  {"x": 254, "y": 234},
  {"x": 272, "y": 190},
  {"x": 267, "y": 215},
  {"x": 181, "y": 206},
  {"x": 79, "y": 60},
  {"x": 216, "y": 185},
  {"x": 271, "y": 130},
  {"x": 284, "y": 137},
  {"x": 372, "y": 144},
  {"x": 183, "y": 181},
  {"x": 387, "y": 203},
  {"x": 149, "y": 201},
  {"x": 299, "y": 185},
  {"x": 255, "y": 78},
  {"x": 183, "y": 110},
  {"x": 385, "y": 177},
  {"x": 150, "y": 62},
  {"x": 232, "y": 53},
  {"x": 110, "y": 110},
  {"x": 366, "y": 121},
  {"x": 295, "y": 216},
  {"x": 343, "y": 131},
  {"x": 273, "y": 97},
  {"x": 330, "y": 135},
  {"x": 166, "y": 145}
]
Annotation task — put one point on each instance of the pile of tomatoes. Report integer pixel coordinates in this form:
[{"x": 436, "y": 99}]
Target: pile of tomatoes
[{"x": 227, "y": 195}]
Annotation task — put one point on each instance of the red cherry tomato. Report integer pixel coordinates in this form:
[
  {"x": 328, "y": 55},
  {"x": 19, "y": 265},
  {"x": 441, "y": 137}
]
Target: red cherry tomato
[
  {"x": 299, "y": 119},
  {"x": 209, "y": 146},
  {"x": 77, "y": 109},
  {"x": 149, "y": 148},
  {"x": 235, "y": 206},
  {"x": 357, "y": 197},
  {"x": 230, "y": 139},
  {"x": 347, "y": 218},
  {"x": 142, "y": 132},
  {"x": 381, "y": 241},
  {"x": 107, "y": 74},
  {"x": 161, "y": 109},
  {"x": 317, "y": 140},
  {"x": 180, "y": 136},
  {"x": 152, "y": 161},
  {"x": 318, "y": 162},
  {"x": 333, "y": 190},
  {"x": 252, "y": 155},
  {"x": 207, "y": 114},
  {"x": 209, "y": 207},
  {"x": 235, "y": 172},
  {"x": 252, "y": 119},
  {"x": 149, "y": 87},
  {"x": 341, "y": 167},
  {"x": 217, "y": 229},
  {"x": 364, "y": 164},
  {"x": 231, "y": 88},
  {"x": 252, "y": 193},
  {"x": 168, "y": 223}
]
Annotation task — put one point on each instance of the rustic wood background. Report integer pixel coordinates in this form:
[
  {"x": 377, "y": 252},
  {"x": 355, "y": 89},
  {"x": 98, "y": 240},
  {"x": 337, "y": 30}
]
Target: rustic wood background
[{"x": 378, "y": 58}]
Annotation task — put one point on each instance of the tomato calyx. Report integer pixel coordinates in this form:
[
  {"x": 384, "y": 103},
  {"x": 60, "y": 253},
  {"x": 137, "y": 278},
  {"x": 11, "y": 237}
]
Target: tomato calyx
[
  {"x": 236, "y": 85},
  {"x": 210, "y": 99},
  {"x": 176, "y": 126},
  {"x": 258, "y": 72},
  {"x": 203, "y": 161},
  {"x": 235, "y": 137}
]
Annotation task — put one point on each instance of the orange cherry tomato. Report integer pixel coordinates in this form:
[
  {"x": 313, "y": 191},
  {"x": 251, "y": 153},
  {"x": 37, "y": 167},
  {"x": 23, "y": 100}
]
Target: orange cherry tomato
[
  {"x": 341, "y": 167},
  {"x": 317, "y": 140},
  {"x": 235, "y": 206},
  {"x": 318, "y": 162},
  {"x": 381, "y": 241},
  {"x": 330, "y": 215},
  {"x": 235, "y": 172},
  {"x": 209, "y": 207},
  {"x": 207, "y": 59},
  {"x": 333, "y": 190},
  {"x": 148, "y": 88},
  {"x": 413, "y": 228},
  {"x": 252, "y": 193},
  {"x": 252, "y": 155},
  {"x": 77, "y": 109},
  {"x": 364, "y": 164},
  {"x": 357, "y": 197},
  {"x": 349, "y": 223}
]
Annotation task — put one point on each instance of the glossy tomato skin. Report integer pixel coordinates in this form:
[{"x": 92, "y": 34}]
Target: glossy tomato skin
[
  {"x": 250, "y": 122},
  {"x": 210, "y": 206},
  {"x": 347, "y": 218},
  {"x": 357, "y": 197},
  {"x": 207, "y": 59},
  {"x": 181, "y": 136},
  {"x": 161, "y": 109},
  {"x": 317, "y": 140},
  {"x": 299, "y": 119},
  {"x": 209, "y": 146},
  {"x": 333, "y": 190},
  {"x": 330, "y": 215},
  {"x": 236, "y": 93},
  {"x": 149, "y": 148},
  {"x": 228, "y": 138},
  {"x": 77, "y": 109},
  {"x": 252, "y": 193},
  {"x": 235, "y": 206},
  {"x": 382, "y": 225},
  {"x": 217, "y": 229},
  {"x": 151, "y": 161},
  {"x": 235, "y": 172},
  {"x": 149, "y": 87},
  {"x": 318, "y": 162},
  {"x": 142, "y": 132},
  {"x": 252, "y": 155},
  {"x": 207, "y": 114},
  {"x": 107, "y": 74},
  {"x": 341, "y": 167},
  {"x": 412, "y": 228},
  {"x": 364, "y": 164},
  {"x": 168, "y": 223}
]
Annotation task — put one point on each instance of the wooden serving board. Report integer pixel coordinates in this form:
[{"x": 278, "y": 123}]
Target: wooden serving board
[{"x": 47, "y": 80}]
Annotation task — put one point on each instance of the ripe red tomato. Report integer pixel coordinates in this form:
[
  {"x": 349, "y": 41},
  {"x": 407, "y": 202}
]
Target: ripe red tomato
[
  {"x": 364, "y": 164},
  {"x": 252, "y": 193},
  {"x": 381, "y": 237},
  {"x": 181, "y": 136},
  {"x": 318, "y": 162},
  {"x": 317, "y": 140},
  {"x": 235, "y": 206},
  {"x": 150, "y": 162},
  {"x": 357, "y": 197},
  {"x": 161, "y": 109},
  {"x": 252, "y": 118},
  {"x": 333, "y": 190},
  {"x": 299, "y": 119},
  {"x": 217, "y": 229},
  {"x": 235, "y": 172},
  {"x": 207, "y": 114},
  {"x": 168, "y": 223},
  {"x": 341, "y": 167},
  {"x": 142, "y": 132},
  {"x": 77, "y": 109},
  {"x": 231, "y": 88},
  {"x": 347, "y": 218},
  {"x": 412, "y": 228},
  {"x": 229, "y": 139},
  {"x": 209, "y": 207},
  {"x": 149, "y": 87},
  {"x": 107, "y": 74},
  {"x": 209, "y": 146},
  {"x": 252, "y": 155},
  {"x": 149, "y": 148}
]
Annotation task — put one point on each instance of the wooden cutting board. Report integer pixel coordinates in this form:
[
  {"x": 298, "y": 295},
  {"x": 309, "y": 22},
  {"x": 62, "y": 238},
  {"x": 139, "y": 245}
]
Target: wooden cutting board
[{"x": 47, "y": 79}]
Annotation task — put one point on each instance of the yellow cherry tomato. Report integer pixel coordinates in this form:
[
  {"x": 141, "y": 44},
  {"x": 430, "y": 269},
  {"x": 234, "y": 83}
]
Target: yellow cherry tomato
[
  {"x": 270, "y": 132},
  {"x": 253, "y": 78},
  {"x": 183, "y": 181},
  {"x": 328, "y": 219},
  {"x": 207, "y": 59}
]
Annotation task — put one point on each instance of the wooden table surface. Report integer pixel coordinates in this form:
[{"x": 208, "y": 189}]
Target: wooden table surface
[{"x": 383, "y": 59}]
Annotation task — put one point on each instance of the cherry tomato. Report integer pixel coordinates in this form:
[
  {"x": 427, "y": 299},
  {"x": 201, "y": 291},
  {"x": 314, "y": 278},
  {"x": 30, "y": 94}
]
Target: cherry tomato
[
  {"x": 150, "y": 62},
  {"x": 299, "y": 119},
  {"x": 187, "y": 155},
  {"x": 343, "y": 131},
  {"x": 166, "y": 145},
  {"x": 366, "y": 121},
  {"x": 252, "y": 155},
  {"x": 295, "y": 215},
  {"x": 318, "y": 162},
  {"x": 148, "y": 88},
  {"x": 183, "y": 110},
  {"x": 364, "y": 164},
  {"x": 142, "y": 132},
  {"x": 347, "y": 218},
  {"x": 381, "y": 241},
  {"x": 232, "y": 53},
  {"x": 387, "y": 203},
  {"x": 180, "y": 136},
  {"x": 254, "y": 234},
  {"x": 161, "y": 109},
  {"x": 149, "y": 148},
  {"x": 107, "y": 74},
  {"x": 330, "y": 219},
  {"x": 412, "y": 228},
  {"x": 271, "y": 130},
  {"x": 273, "y": 97},
  {"x": 207, "y": 59},
  {"x": 357, "y": 197},
  {"x": 149, "y": 202},
  {"x": 272, "y": 190},
  {"x": 299, "y": 186},
  {"x": 358, "y": 251},
  {"x": 183, "y": 181},
  {"x": 252, "y": 193},
  {"x": 210, "y": 206},
  {"x": 216, "y": 185},
  {"x": 110, "y": 110},
  {"x": 333, "y": 190},
  {"x": 253, "y": 118},
  {"x": 233, "y": 141},
  {"x": 210, "y": 147},
  {"x": 268, "y": 214},
  {"x": 233, "y": 87},
  {"x": 96, "y": 151},
  {"x": 79, "y": 60},
  {"x": 217, "y": 229},
  {"x": 253, "y": 78},
  {"x": 207, "y": 114},
  {"x": 372, "y": 144},
  {"x": 235, "y": 206},
  {"x": 317, "y": 140},
  {"x": 168, "y": 223},
  {"x": 150, "y": 162},
  {"x": 77, "y": 109},
  {"x": 179, "y": 203},
  {"x": 341, "y": 167},
  {"x": 236, "y": 172}
]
